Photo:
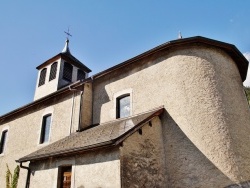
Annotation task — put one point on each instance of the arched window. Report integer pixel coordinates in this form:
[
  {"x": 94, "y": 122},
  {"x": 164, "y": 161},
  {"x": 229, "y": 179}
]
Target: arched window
[
  {"x": 67, "y": 71},
  {"x": 42, "y": 77},
  {"x": 3, "y": 141},
  {"x": 53, "y": 69},
  {"x": 123, "y": 106},
  {"x": 45, "y": 130},
  {"x": 80, "y": 74}
]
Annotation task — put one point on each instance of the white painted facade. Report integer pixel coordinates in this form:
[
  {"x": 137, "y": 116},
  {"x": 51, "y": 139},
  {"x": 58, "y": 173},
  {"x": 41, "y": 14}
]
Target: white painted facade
[{"x": 200, "y": 140}]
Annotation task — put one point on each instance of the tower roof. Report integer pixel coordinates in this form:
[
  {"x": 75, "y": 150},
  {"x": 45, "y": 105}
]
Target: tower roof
[
  {"x": 66, "y": 47},
  {"x": 66, "y": 55}
]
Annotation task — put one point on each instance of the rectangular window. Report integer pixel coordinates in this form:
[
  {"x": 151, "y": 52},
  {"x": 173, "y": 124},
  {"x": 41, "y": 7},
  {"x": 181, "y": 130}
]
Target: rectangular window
[
  {"x": 67, "y": 71},
  {"x": 123, "y": 106},
  {"x": 64, "y": 177},
  {"x": 42, "y": 77},
  {"x": 3, "y": 141},
  {"x": 45, "y": 131},
  {"x": 80, "y": 74},
  {"x": 53, "y": 69}
]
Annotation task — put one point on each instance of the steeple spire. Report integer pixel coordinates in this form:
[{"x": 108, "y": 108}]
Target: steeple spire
[{"x": 66, "y": 47}]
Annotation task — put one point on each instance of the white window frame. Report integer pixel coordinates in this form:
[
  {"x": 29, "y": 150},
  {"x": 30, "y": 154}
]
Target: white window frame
[
  {"x": 119, "y": 94},
  {"x": 41, "y": 126}
]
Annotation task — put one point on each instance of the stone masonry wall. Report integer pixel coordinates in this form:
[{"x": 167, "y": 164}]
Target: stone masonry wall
[{"x": 142, "y": 158}]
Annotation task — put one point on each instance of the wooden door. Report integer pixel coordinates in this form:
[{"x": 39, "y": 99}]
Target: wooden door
[{"x": 66, "y": 179}]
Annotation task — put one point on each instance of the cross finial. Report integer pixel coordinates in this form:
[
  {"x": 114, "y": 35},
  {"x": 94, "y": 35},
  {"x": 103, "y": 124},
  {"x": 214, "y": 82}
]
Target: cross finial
[
  {"x": 68, "y": 34},
  {"x": 179, "y": 35},
  {"x": 66, "y": 47}
]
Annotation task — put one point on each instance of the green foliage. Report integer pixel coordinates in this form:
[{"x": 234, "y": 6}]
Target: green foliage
[
  {"x": 12, "y": 181},
  {"x": 15, "y": 177},
  {"x": 8, "y": 177},
  {"x": 247, "y": 90}
]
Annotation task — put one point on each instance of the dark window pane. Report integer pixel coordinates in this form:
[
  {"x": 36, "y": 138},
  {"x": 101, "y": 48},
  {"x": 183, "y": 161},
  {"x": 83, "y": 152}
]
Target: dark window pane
[
  {"x": 42, "y": 77},
  {"x": 123, "y": 107},
  {"x": 53, "y": 69},
  {"x": 80, "y": 74},
  {"x": 67, "y": 71},
  {"x": 45, "y": 129},
  {"x": 3, "y": 141}
]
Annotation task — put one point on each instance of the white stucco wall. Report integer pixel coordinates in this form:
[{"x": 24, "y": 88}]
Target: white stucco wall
[
  {"x": 143, "y": 157},
  {"x": 24, "y": 131},
  {"x": 93, "y": 169},
  {"x": 202, "y": 91},
  {"x": 49, "y": 86},
  {"x": 55, "y": 84}
]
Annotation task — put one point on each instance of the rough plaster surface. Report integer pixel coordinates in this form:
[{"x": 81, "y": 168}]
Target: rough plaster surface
[
  {"x": 186, "y": 166},
  {"x": 49, "y": 86},
  {"x": 24, "y": 131},
  {"x": 142, "y": 158},
  {"x": 202, "y": 91},
  {"x": 89, "y": 170},
  {"x": 205, "y": 127},
  {"x": 240, "y": 185},
  {"x": 86, "y": 106},
  {"x": 55, "y": 84}
]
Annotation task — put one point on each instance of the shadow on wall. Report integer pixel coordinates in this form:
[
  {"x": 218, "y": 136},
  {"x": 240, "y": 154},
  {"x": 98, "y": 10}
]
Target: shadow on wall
[
  {"x": 186, "y": 165},
  {"x": 241, "y": 185},
  {"x": 90, "y": 157}
]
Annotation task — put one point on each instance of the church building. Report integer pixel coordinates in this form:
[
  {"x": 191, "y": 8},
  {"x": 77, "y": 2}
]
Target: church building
[{"x": 175, "y": 116}]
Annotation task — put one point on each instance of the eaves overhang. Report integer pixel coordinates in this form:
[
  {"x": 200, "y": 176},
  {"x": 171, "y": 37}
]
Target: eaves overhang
[
  {"x": 89, "y": 139},
  {"x": 46, "y": 98},
  {"x": 230, "y": 49},
  {"x": 68, "y": 57}
]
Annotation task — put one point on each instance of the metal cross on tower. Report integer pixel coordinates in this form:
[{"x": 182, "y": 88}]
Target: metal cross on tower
[{"x": 68, "y": 34}]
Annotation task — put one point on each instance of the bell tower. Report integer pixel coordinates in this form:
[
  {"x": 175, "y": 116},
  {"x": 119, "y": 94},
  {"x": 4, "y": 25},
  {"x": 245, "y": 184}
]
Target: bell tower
[{"x": 58, "y": 72}]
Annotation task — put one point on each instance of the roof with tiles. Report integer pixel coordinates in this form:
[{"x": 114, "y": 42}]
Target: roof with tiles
[
  {"x": 65, "y": 54},
  {"x": 104, "y": 135},
  {"x": 68, "y": 57}
]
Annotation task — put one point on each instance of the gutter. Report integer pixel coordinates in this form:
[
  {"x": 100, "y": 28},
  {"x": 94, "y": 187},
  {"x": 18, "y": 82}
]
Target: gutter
[
  {"x": 27, "y": 184},
  {"x": 43, "y": 99},
  {"x": 80, "y": 110},
  {"x": 230, "y": 49},
  {"x": 105, "y": 144}
]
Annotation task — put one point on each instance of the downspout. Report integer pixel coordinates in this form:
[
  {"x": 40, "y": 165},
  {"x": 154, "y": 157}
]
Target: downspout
[
  {"x": 72, "y": 110},
  {"x": 27, "y": 185},
  {"x": 80, "y": 110}
]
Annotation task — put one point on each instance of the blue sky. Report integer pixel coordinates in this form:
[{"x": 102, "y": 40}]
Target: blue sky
[{"x": 105, "y": 33}]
